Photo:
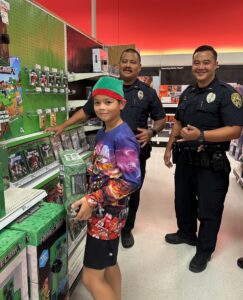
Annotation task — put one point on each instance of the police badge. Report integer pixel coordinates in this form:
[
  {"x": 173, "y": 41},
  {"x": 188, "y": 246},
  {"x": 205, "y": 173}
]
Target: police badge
[
  {"x": 210, "y": 97},
  {"x": 236, "y": 99},
  {"x": 140, "y": 94}
]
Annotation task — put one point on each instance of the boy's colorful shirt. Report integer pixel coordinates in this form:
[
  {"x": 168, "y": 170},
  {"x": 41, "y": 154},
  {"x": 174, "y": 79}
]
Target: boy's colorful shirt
[{"x": 114, "y": 175}]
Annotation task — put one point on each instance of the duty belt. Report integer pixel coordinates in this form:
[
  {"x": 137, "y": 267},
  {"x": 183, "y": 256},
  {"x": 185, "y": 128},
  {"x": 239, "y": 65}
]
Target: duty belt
[{"x": 209, "y": 155}]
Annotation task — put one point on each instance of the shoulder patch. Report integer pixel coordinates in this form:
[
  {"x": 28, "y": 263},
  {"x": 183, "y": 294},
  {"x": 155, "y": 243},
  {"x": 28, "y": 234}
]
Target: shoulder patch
[{"x": 236, "y": 100}]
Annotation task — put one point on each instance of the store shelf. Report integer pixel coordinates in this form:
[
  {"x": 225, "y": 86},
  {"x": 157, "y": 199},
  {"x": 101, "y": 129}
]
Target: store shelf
[
  {"x": 75, "y": 262},
  {"x": 91, "y": 128},
  {"x": 34, "y": 179},
  {"x": 81, "y": 76},
  {"x": 73, "y": 104},
  {"x": 237, "y": 173},
  {"x": 170, "y": 104},
  {"x": 19, "y": 200},
  {"x": 75, "y": 243}
]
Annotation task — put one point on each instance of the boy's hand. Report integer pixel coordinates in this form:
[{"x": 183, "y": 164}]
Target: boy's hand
[{"x": 85, "y": 210}]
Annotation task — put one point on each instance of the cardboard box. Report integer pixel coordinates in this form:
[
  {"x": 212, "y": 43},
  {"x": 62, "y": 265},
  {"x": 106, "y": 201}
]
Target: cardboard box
[
  {"x": 13, "y": 265},
  {"x": 100, "y": 60},
  {"x": 45, "y": 229},
  {"x": 73, "y": 173}
]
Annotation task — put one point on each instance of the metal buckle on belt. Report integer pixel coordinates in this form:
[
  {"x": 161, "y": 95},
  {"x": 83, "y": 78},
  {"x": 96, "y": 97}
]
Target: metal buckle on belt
[{"x": 200, "y": 148}]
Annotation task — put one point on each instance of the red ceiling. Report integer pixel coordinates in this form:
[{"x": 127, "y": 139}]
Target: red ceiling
[{"x": 156, "y": 25}]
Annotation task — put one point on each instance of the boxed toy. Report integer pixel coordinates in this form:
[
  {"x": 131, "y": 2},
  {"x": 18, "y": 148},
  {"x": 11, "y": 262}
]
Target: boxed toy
[
  {"x": 46, "y": 151},
  {"x": 100, "y": 60},
  {"x": 13, "y": 266},
  {"x": 33, "y": 157},
  {"x": 17, "y": 164},
  {"x": 75, "y": 139},
  {"x": 66, "y": 141},
  {"x": 52, "y": 192},
  {"x": 56, "y": 145},
  {"x": 45, "y": 229},
  {"x": 73, "y": 172},
  {"x": 83, "y": 141}
]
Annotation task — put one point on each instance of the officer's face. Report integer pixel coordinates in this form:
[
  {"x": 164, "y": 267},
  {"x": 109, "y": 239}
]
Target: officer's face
[
  {"x": 129, "y": 67},
  {"x": 204, "y": 66}
]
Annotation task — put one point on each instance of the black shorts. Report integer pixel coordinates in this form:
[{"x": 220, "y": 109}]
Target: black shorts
[{"x": 100, "y": 254}]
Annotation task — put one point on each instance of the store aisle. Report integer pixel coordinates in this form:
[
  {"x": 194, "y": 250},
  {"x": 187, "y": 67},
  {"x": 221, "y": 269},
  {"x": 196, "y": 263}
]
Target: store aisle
[{"x": 155, "y": 270}]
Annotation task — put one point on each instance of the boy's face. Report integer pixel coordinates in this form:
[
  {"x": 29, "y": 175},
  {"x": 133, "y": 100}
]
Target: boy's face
[{"x": 107, "y": 108}]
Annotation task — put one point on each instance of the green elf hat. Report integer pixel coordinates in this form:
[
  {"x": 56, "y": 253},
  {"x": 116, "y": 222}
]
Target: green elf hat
[{"x": 109, "y": 86}]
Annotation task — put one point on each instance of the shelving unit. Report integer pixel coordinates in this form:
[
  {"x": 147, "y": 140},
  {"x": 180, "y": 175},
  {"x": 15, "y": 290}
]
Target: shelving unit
[
  {"x": 19, "y": 200},
  {"x": 81, "y": 76}
]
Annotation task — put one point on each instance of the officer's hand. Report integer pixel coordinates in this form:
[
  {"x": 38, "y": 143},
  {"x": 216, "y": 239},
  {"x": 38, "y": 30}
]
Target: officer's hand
[
  {"x": 56, "y": 129},
  {"x": 85, "y": 210},
  {"x": 189, "y": 133},
  {"x": 144, "y": 136},
  {"x": 167, "y": 159}
]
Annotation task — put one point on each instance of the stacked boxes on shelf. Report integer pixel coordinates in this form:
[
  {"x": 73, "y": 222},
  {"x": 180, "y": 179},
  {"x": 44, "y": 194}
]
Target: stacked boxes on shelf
[
  {"x": 73, "y": 174},
  {"x": 45, "y": 229},
  {"x": 13, "y": 266}
]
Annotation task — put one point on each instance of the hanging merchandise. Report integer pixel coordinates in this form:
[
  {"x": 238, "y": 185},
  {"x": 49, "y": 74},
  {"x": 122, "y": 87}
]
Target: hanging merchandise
[
  {"x": 53, "y": 119},
  {"x": 42, "y": 121},
  {"x": 11, "y": 104}
]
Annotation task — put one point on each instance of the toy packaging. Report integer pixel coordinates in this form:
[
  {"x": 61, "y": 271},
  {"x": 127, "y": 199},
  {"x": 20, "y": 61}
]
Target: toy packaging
[
  {"x": 52, "y": 192},
  {"x": 17, "y": 164},
  {"x": 45, "y": 228},
  {"x": 46, "y": 151},
  {"x": 75, "y": 139},
  {"x": 73, "y": 172},
  {"x": 33, "y": 157},
  {"x": 83, "y": 141},
  {"x": 66, "y": 141},
  {"x": 13, "y": 266},
  {"x": 56, "y": 145}
]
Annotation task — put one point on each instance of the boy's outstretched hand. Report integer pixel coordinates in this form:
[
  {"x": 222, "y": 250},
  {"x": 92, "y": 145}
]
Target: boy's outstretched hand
[{"x": 85, "y": 210}]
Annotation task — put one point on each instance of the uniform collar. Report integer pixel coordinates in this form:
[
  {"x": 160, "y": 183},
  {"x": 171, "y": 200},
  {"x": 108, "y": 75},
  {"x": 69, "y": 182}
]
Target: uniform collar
[
  {"x": 210, "y": 87},
  {"x": 135, "y": 85}
]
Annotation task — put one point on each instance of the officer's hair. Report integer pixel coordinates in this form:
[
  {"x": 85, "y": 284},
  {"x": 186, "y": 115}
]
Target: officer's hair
[
  {"x": 206, "y": 48},
  {"x": 133, "y": 51}
]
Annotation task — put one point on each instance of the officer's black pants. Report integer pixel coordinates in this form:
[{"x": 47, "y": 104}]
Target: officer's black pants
[
  {"x": 134, "y": 201},
  {"x": 199, "y": 194}
]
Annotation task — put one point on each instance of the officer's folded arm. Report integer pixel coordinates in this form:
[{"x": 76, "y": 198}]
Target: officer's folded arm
[{"x": 223, "y": 134}]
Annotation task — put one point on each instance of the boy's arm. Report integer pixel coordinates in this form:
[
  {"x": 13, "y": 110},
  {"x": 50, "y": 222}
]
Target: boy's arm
[{"x": 127, "y": 159}]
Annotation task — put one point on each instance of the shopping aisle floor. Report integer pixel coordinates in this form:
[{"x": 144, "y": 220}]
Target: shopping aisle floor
[{"x": 155, "y": 270}]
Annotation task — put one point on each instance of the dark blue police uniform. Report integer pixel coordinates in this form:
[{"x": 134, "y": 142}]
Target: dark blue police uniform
[
  {"x": 142, "y": 103},
  {"x": 202, "y": 173}
]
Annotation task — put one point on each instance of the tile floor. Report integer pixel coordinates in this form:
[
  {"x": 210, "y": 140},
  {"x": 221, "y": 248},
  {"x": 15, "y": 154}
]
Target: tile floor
[{"x": 155, "y": 270}]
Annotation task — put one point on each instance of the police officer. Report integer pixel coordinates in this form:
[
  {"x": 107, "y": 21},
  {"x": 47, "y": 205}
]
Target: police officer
[
  {"x": 142, "y": 103},
  {"x": 209, "y": 115}
]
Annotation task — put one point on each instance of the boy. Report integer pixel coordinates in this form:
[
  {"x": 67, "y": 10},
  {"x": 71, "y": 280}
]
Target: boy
[{"x": 114, "y": 175}]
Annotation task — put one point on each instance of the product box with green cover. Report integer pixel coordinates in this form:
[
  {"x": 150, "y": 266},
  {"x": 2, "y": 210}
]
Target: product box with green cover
[
  {"x": 73, "y": 174},
  {"x": 45, "y": 228},
  {"x": 13, "y": 265}
]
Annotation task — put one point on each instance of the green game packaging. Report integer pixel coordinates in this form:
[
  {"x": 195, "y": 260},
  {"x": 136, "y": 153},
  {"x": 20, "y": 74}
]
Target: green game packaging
[
  {"x": 45, "y": 228},
  {"x": 13, "y": 265}
]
